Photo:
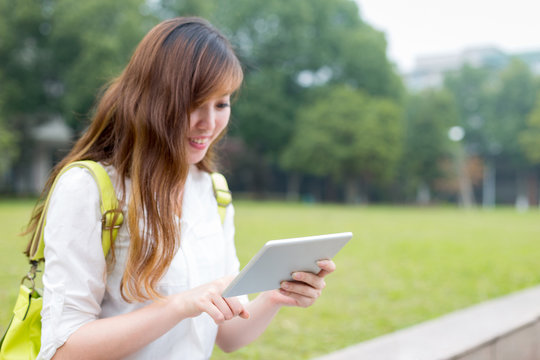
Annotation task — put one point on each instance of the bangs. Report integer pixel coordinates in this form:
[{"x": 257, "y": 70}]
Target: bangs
[{"x": 217, "y": 73}]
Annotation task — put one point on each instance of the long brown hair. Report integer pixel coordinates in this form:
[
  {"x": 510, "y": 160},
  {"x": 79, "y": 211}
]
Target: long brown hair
[{"x": 140, "y": 127}]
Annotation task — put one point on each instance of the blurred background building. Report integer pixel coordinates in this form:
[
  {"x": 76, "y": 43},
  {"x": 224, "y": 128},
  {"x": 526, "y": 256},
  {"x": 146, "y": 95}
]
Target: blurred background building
[{"x": 430, "y": 71}]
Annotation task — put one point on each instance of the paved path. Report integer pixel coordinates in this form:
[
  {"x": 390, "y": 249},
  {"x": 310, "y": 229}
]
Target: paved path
[{"x": 506, "y": 328}]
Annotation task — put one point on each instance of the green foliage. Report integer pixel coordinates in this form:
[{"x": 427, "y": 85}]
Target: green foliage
[
  {"x": 346, "y": 134},
  {"x": 513, "y": 102},
  {"x": 55, "y": 56},
  {"x": 280, "y": 42},
  {"x": 429, "y": 115},
  {"x": 493, "y": 106},
  {"x": 7, "y": 148},
  {"x": 97, "y": 38},
  {"x": 262, "y": 117},
  {"x": 529, "y": 138},
  {"x": 473, "y": 89},
  {"x": 292, "y": 36},
  {"x": 171, "y": 8},
  {"x": 22, "y": 57}
]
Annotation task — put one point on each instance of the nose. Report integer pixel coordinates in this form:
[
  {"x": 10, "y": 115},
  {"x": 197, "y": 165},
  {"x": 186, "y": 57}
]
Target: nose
[{"x": 204, "y": 118}]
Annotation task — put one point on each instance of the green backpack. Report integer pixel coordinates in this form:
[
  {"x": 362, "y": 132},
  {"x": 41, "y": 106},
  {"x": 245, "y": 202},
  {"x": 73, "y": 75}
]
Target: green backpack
[{"x": 22, "y": 339}]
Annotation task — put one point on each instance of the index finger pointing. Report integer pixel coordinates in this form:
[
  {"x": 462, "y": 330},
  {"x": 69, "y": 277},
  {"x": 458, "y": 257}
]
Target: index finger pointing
[{"x": 237, "y": 307}]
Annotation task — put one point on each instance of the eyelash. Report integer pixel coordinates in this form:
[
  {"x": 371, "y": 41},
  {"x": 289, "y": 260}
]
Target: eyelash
[{"x": 223, "y": 105}]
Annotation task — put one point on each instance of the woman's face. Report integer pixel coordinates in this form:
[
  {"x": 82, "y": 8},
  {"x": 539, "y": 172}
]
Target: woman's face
[{"x": 206, "y": 123}]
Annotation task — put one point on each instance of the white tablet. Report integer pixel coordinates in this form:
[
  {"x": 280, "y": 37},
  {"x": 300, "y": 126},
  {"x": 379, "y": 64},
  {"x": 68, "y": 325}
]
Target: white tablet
[{"x": 278, "y": 259}]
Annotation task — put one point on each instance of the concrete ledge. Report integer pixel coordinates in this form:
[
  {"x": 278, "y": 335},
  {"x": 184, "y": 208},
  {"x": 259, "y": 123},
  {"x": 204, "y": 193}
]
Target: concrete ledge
[{"x": 507, "y": 328}]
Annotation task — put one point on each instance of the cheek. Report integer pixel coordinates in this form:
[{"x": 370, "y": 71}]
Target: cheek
[
  {"x": 221, "y": 122},
  {"x": 193, "y": 119}
]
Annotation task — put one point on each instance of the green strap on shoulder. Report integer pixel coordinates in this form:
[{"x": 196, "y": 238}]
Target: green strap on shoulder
[
  {"x": 112, "y": 217},
  {"x": 222, "y": 193}
]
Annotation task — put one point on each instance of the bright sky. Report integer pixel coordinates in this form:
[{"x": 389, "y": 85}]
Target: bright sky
[{"x": 433, "y": 27}]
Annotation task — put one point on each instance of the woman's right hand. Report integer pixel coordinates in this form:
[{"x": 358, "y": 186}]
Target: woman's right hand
[{"x": 207, "y": 299}]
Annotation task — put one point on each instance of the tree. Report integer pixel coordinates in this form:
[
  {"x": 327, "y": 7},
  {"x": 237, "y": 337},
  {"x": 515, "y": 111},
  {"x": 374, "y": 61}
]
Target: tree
[
  {"x": 530, "y": 137},
  {"x": 473, "y": 90},
  {"x": 290, "y": 48},
  {"x": 56, "y": 55},
  {"x": 170, "y": 8},
  {"x": 262, "y": 117},
  {"x": 428, "y": 117},
  {"x": 7, "y": 148},
  {"x": 529, "y": 140},
  {"x": 513, "y": 102},
  {"x": 349, "y": 136},
  {"x": 493, "y": 107}
]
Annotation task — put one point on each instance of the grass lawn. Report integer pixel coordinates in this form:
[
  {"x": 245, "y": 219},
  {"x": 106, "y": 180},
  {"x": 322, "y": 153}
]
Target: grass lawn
[{"x": 404, "y": 265}]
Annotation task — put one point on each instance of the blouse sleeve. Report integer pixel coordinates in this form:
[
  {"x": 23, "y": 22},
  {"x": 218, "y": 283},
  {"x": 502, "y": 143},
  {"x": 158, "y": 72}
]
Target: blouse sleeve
[{"x": 75, "y": 269}]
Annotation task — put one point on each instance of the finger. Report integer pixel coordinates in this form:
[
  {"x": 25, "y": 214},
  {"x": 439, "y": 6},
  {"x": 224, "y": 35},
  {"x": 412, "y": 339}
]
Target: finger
[
  {"x": 244, "y": 314},
  {"x": 223, "y": 307},
  {"x": 214, "y": 313},
  {"x": 313, "y": 280},
  {"x": 301, "y": 289},
  {"x": 236, "y": 307},
  {"x": 327, "y": 266},
  {"x": 296, "y": 299},
  {"x": 289, "y": 301}
]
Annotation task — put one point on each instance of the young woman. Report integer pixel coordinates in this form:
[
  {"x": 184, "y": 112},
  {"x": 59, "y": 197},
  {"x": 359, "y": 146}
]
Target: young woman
[{"x": 157, "y": 294}]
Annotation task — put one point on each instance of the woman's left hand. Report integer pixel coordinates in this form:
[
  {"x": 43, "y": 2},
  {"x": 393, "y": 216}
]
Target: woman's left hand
[{"x": 305, "y": 288}]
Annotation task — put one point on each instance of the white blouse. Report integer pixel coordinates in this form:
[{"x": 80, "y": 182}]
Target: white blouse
[{"x": 78, "y": 289}]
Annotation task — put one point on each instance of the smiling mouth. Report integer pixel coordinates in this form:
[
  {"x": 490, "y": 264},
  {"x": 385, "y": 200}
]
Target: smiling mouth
[{"x": 199, "y": 142}]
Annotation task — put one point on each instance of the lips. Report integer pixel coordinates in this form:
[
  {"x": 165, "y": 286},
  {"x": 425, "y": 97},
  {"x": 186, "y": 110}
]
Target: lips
[{"x": 199, "y": 143}]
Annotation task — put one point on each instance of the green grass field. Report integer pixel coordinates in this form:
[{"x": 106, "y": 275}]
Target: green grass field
[{"x": 404, "y": 265}]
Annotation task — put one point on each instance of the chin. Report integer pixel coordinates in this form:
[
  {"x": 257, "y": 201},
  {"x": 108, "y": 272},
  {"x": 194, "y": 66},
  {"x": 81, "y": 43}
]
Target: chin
[{"x": 195, "y": 160}]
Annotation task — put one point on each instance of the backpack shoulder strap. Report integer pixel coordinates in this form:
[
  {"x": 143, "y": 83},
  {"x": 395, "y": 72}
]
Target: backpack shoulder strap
[
  {"x": 222, "y": 193},
  {"x": 112, "y": 217}
]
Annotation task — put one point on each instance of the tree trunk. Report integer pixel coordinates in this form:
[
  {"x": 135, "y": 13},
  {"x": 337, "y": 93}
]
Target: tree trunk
[
  {"x": 489, "y": 190},
  {"x": 331, "y": 193},
  {"x": 466, "y": 195},
  {"x": 532, "y": 187},
  {"x": 352, "y": 195},
  {"x": 423, "y": 194},
  {"x": 522, "y": 201},
  {"x": 293, "y": 187}
]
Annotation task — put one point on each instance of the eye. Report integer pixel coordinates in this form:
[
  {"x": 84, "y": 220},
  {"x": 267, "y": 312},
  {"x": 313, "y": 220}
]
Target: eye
[{"x": 222, "y": 105}]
